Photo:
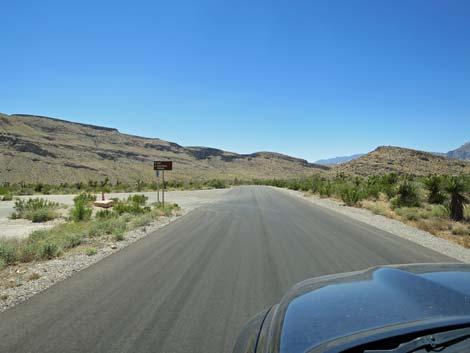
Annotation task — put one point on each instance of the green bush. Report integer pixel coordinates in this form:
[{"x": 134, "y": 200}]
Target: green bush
[
  {"x": 105, "y": 214},
  {"x": 3, "y": 264},
  {"x": 137, "y": 199},
  {"x": 433, "y": 184},
  {"x": 7, "y": 197},
  {"x": 217, "y": 184},
  {"x": 91, "y": 251},
  {"x": 133, "y": 205},
  {"x": 8, "y": 251},
  {"x": 42, "y": 215},
  {"x": 27, "y": 252},
  {"x": 85, "y": 197},
  {"x": 325, "y": 189},
  {"x": 80, "y": 211},
  {"x": 412, "y": 213},
  {"x": 351, "y": 195},
  {"x": 49, "y": 250},
  {"x": 36, "y": 210},
  {"x": 440, "y": 211},
  {"x": 407, "y": 196}
]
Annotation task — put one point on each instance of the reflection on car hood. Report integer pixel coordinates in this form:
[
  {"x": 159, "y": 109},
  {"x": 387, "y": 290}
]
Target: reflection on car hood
[{"x": 325, "y": 308}]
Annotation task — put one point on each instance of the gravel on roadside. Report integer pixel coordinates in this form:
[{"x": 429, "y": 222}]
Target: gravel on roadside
[
  {"x": 395, "y": 227},
  {"x": 47, "y": 273}
]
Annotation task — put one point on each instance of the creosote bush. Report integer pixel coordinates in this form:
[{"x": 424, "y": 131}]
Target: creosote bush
[
  {"x": 36, "y": 210},
  {"x": 81, "y": 211}
]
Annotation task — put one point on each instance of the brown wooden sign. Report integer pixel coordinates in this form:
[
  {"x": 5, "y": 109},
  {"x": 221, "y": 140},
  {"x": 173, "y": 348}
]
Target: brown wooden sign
[{"x": 162, "y": 165}]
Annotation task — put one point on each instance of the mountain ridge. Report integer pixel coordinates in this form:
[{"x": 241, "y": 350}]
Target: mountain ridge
[
  {"x": 400, "y": 160},
  {"x": 43, "y": 149}
]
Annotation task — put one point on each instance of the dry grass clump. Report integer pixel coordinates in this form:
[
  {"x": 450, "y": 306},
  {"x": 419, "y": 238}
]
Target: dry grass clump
[{"x": 51, "y": 243}]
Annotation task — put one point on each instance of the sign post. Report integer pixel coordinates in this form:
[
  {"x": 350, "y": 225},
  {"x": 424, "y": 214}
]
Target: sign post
[
  {"x": 157, "y": 173},
  {"x": 157, "y": 166}
]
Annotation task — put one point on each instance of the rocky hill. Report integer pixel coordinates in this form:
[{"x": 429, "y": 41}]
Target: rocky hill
[
  {"x": 388, "y": 159},
  {"x": 42, "y": 149},
  {"x": 462, "y": 153}
]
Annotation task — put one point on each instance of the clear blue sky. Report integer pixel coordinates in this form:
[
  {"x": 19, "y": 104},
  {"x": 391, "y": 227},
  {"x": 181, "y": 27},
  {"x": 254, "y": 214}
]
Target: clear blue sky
[{"x": 309, "y": 78}]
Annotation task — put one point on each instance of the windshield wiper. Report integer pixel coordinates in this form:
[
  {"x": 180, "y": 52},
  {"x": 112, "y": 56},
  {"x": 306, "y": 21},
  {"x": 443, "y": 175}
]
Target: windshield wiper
[{"x": 433, "y": 342}]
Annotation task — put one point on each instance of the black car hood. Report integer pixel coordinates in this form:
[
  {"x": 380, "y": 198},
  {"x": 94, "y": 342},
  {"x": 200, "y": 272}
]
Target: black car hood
[{"x": 326, "y": 308}]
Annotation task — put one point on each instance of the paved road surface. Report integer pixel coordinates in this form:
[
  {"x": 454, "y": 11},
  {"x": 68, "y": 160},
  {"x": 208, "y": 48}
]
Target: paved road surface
[{"x": 190, "y": 286}]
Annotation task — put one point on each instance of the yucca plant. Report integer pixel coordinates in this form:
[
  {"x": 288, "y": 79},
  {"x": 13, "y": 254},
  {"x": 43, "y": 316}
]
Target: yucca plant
[
  {"x": 407, "y": 195},
  {"x": 456, "y": 187},
  {"x": 433, "y": 184}
]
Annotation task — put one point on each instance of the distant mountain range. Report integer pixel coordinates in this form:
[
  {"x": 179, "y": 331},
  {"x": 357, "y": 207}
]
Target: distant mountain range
[
  {"x": 49, "y": 150},
  {"x": 462, "y": 153},
  {"x": 339, "y": 160}
]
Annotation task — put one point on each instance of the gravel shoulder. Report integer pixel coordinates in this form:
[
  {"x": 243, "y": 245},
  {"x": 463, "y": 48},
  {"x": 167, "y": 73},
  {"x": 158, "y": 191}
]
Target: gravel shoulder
[
  {"x": 22, "y": 281},
  {"x": 390, "y": 225}
]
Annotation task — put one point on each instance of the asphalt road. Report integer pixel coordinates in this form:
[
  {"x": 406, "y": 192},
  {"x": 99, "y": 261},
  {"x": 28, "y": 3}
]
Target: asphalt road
[{"x": 190, "y": 286}]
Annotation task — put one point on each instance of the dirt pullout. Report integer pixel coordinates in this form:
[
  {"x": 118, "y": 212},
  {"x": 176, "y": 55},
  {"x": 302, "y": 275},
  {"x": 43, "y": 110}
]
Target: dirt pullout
[{"x": 21, "y": 228}]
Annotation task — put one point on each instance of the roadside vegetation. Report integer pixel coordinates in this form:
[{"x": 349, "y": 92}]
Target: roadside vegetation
[
  {"x": 9, "y": 190},
  {"x": 438, "y": 204},
  {"x": 35, "y": 209},
  {"x": 82, "y": 228}
]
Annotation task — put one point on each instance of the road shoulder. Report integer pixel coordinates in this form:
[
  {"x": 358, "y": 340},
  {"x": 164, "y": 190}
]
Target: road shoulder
[{"x": 392, "y": 226}]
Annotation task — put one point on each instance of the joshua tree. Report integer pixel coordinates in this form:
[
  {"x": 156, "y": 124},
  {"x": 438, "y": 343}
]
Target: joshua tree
[
  {"x": 455, "y": 187},
  {"x": 433, "y": 185},
  {"x": 139, "y": 184}
]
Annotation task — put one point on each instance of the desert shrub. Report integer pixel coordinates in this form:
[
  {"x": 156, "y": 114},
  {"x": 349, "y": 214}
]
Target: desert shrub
[
  {"x": 105, "y": 214},
  {"x": 460, "y": 229},
  {"x": 42, "y": 215},
  {"x": 412, "y": 213},
  {"x": 141, "y": 221},
  {"x": 36, "y": 210},
  {"x": 351, "y": 195},
  {"x": 49, "y": 250},
  {"x": 118, "y": 232},
  {"x": 407, "y": 196},
  {"x": 34, "y": 276},
  {"x": 132, "y": 205},
  {"x": 217, "y": 184},
  {"x": 85, "y": 197},
  {"x": 325, "y": 189},
  {"x": 38, "y": 235},
  {"x": 440, "y": 211},
  {"x": 8, "y": 251},
  {"x": 7, "y": 197},
  {"x": 80, "y": 211},
  {"x": 27, "y": 252},
  {"x": 433, "y": 184},
  {"x": 378, "y": 210},
  {"x": 72, "y": 240},
  {"x": 91, "y": 251},
  {"x": 3, "y": 264},
  {"x": 138, "y": 199},
  {"x": 466, "y": 213}
]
